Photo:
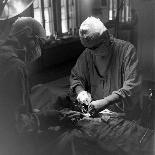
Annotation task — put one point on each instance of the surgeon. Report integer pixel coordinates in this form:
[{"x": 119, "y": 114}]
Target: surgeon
[
  {"x": 21, "y": 48},
  {"x": 106, "y": 75}
]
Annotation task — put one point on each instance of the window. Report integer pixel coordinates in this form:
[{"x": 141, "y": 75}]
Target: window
[
  {"x": 112, "y": 9},
  {"x": 56, "y": 16},
  {"x": 48, "y": 16},
  {"x": 37, "y": 10},
  {"x": 64, "y": 22},
  {"x": 68, "y": 15},
  {"x": 72, "y": 14},
  {"x": 43, "y": 14},
  {"x": 124, "y": 8}
]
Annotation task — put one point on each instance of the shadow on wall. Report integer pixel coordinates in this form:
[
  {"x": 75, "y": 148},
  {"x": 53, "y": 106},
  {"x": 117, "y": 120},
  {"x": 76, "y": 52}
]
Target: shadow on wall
[{"x": 146, "y": 38}]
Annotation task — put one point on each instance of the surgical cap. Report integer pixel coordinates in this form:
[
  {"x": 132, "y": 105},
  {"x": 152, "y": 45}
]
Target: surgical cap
[
  {"x": 22, "y": 23},
  {"x": 90, "y": 32},
  {"x": 19, "y": 29}
]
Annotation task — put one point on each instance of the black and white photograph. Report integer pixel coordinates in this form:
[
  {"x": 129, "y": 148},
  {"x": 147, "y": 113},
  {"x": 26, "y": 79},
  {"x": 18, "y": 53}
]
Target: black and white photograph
[{"x": 77, "y": 77}]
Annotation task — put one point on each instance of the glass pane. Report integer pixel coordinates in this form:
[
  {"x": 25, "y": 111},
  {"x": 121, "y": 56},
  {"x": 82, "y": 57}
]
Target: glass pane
[
  {"x": 48, "y": 33},
  {"x": 128, "y": 11},
  {"x": 72, "y": 15},
  {"x": 122, "y": 19},
  {"x": 110, "y": 10},
  {"x": 46, "y": 13},
  {"x": 46, "y": 3},
  {"x": 125, "y": 11},
  {"x": 37, "y": 15},
  {"x": 64, "y": 16},
  {"x": 37, "y": 11},
  {"x": 114, "y": 8}
]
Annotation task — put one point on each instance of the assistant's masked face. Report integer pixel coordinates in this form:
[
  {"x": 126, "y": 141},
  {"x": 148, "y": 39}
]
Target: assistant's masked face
[{"x": 33, "y": 51}]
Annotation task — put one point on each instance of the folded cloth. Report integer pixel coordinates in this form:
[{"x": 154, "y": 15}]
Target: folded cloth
[{"x": 107, "y": 114}]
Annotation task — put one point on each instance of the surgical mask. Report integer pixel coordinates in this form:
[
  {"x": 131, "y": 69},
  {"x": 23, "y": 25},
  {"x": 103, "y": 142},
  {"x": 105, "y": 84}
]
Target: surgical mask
[
  {"x": 32, "y": 45},
  {"x": 101, "y": 50},
  {"x": 34, "y": 53}
]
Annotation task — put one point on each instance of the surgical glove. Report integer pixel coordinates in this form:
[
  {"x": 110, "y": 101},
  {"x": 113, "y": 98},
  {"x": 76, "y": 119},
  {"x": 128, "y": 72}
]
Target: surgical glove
[
  {"x": 84, "y": 97},
  {"x": 97, "y": 106}
]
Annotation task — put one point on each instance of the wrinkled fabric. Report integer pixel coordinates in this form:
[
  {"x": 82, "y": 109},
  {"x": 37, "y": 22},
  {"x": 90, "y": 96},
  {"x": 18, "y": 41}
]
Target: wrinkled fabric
[
  {"x": 104, "y": 72},
  {"x": 14, "y": 92},
  {"x": 94, "y": 136},
  {"x": 14, "y": 87},
  {"x": 89, "y": 136},
  {"x": 120, "y": 135}
]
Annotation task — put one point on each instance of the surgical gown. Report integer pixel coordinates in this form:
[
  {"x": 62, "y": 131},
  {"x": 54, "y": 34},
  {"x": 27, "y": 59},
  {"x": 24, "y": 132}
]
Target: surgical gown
[{"x": 112, "y": 72}]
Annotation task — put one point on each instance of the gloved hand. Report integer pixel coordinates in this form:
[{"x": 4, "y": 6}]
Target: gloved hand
[
  {"x": 96, "y": 106},
  {"x": 84, "y": 97}
]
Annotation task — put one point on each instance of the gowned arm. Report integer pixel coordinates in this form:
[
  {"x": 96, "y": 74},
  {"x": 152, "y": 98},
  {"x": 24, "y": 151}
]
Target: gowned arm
[
  {"x": 79, "y": 75},
  {"x": 131, "y": 82},
  {"x": 131, "y": 76}
]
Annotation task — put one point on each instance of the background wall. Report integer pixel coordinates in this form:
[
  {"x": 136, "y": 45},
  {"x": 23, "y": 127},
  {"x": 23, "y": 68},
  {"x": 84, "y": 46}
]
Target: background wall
[
  {"x": 92, "y": 8},
  {"x": 146, "y": 37},
  {"x": 84, "y": 9}
]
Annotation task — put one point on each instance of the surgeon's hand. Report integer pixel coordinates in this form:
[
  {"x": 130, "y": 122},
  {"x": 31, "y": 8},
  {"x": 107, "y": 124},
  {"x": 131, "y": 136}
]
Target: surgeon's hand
[
  {"x": 96, "y": 106},
  {"x": 84, "y": 97}
]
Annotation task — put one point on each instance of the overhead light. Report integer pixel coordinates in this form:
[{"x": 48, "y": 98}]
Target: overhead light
[{"x": 12, "y": 8}]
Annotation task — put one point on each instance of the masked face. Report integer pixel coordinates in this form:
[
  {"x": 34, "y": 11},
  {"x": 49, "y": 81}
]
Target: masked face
[
  {"x": 33, "y": 50},
  {"x": 99, "y": 44}
]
